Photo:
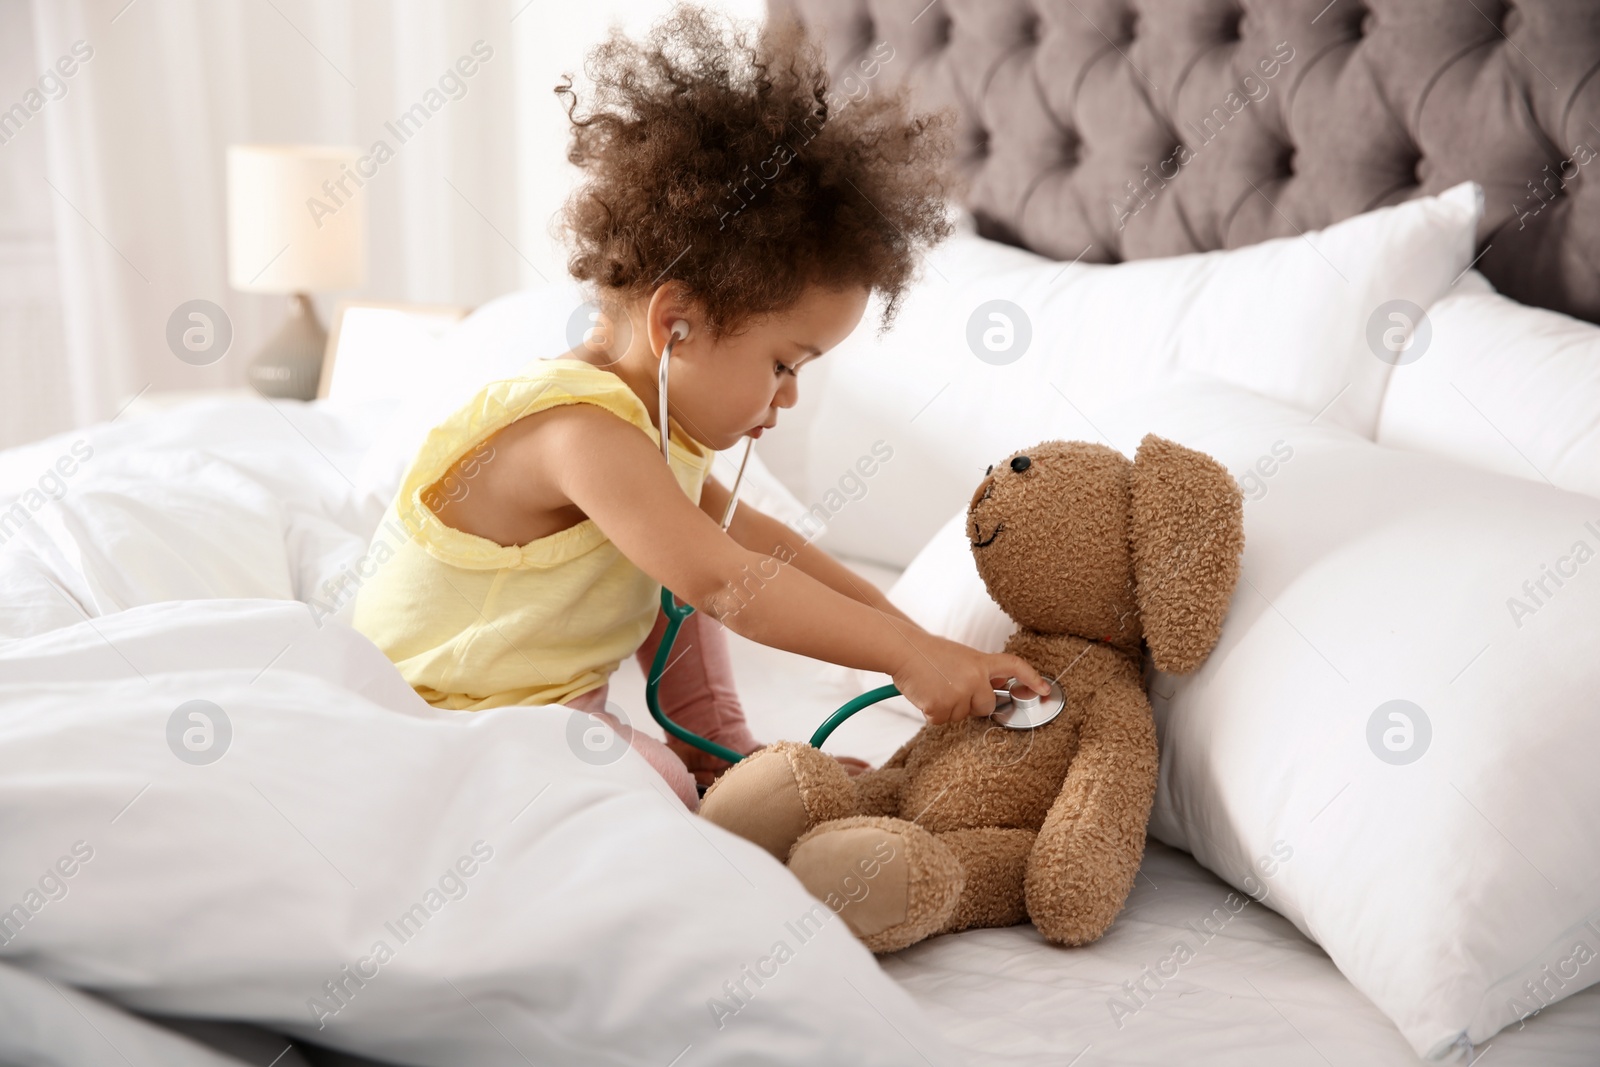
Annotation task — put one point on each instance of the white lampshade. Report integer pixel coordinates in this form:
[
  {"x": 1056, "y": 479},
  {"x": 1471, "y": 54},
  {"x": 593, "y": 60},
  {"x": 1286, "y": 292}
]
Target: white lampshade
[{"x": 297, "y": 219}]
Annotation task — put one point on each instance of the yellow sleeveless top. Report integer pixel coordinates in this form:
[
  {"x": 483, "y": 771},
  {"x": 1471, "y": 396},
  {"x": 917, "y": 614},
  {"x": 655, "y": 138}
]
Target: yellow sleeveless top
[{"x": 472, "y": 624}]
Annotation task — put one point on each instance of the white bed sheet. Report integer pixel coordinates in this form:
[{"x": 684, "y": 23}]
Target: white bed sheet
[{"x": 1256, "y": 993}]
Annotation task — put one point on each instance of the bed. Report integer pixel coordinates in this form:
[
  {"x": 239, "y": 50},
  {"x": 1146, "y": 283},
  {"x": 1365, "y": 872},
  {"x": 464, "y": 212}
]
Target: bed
[
  {"x": 1261, "y": 993},
  {"x": 212, "y": 554}
]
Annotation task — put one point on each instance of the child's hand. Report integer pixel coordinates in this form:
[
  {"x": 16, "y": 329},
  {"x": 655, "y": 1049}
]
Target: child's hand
[{"x": 948, "y": 681}]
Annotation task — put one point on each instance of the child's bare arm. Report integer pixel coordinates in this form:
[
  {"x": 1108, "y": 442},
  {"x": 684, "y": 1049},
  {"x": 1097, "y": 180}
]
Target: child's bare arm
[
  {"x": 761, "y": 533},
  {"x": 618, "y": 478}
]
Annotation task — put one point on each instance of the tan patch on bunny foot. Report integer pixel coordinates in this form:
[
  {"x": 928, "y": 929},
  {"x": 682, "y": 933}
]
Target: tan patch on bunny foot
[
  {"x": 778, "y": 793},
  {"x": 891, "y": 881}
]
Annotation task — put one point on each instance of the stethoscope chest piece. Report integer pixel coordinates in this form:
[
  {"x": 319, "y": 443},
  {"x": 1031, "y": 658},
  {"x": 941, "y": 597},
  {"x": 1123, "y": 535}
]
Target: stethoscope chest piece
[{"x": 1029, "y": 712}]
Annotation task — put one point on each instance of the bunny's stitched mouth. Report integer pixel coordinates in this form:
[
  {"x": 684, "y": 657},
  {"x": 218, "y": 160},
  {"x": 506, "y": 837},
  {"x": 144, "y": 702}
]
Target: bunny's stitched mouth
[{"x": 980, "y": 544}]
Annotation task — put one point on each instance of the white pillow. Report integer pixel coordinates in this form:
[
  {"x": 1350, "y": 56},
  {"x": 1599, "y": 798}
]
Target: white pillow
[
  {"x": 1439, "y": 886},
  {"x": 1502, "y": 386},
  {"x": 1288, "y": 318},
  {"x": 1442, "y": 886}
]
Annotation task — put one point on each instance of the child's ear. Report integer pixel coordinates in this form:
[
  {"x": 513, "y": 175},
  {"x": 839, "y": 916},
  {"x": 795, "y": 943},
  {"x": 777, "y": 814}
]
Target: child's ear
[{"x": 671, "y": 313}]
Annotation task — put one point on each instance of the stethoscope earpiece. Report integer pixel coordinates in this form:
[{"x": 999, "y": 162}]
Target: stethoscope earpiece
[{"x": 680, "y": 330}]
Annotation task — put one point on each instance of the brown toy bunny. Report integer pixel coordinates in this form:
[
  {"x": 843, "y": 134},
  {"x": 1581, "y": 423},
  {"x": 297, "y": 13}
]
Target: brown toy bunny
[{"x": 970, "y": 824}]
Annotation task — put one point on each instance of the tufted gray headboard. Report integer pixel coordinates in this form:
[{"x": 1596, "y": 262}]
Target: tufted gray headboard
[{"x": 1124, "y": 129}]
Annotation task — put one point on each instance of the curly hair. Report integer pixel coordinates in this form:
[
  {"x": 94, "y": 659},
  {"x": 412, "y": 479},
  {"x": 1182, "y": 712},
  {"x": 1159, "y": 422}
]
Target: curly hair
[{"x": 720, "y": 158}]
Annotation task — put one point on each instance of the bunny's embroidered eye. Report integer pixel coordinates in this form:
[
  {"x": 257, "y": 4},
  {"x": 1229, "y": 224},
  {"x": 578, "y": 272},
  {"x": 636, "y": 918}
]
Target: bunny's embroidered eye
[{"x": 1021, "y": 463}]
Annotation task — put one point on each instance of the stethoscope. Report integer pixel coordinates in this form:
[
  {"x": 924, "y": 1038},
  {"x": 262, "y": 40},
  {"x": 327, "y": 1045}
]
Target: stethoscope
[{"x": 1011, "y": 711}]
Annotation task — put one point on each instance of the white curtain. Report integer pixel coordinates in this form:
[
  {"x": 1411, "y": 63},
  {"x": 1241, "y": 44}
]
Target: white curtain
[
  {"x": 133, "y": 165},
  {"x": 33, "y": 377},
  {"x": 136, "y": 162}
]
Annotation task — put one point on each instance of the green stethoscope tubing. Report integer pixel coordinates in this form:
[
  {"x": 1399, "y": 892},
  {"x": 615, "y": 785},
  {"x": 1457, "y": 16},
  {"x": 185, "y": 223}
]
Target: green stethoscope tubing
[
  {"x": 871, "y": 696},
  {"x": 676, "y": 613}
]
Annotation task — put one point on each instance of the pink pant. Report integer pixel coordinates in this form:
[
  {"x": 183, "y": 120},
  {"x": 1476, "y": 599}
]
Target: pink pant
[{"x": 696, "y": 692}]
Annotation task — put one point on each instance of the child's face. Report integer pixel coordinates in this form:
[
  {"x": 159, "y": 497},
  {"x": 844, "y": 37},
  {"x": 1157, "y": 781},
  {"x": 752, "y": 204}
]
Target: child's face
[{"x": 728, "y": 388}]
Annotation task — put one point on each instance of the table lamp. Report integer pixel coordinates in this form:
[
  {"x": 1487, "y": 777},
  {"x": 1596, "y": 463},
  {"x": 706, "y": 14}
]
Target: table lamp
[{"x": 297, "y": 222}]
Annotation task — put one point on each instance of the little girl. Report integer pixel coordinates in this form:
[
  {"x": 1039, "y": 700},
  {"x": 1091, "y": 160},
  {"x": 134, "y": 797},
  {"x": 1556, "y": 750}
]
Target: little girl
[{"x": 729, "y": 197}]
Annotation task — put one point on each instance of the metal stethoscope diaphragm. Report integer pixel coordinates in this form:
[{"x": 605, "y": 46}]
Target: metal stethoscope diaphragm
[{"x": 1029, "y": 712}]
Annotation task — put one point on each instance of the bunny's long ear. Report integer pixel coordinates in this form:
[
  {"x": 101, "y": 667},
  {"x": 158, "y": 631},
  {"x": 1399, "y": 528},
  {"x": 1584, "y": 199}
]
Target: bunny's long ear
[{"x": 1188, "y": 534}]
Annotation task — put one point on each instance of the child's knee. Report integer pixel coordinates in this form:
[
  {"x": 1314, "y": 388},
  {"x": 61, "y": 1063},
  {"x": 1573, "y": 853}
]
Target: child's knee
[{"x": 669, "y": 766}]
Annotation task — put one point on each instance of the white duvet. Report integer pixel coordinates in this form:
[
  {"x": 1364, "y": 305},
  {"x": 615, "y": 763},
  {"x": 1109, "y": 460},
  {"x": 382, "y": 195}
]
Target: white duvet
[
  {"x": 209, "y": 556},
  {"x": 354, "y": 868}
]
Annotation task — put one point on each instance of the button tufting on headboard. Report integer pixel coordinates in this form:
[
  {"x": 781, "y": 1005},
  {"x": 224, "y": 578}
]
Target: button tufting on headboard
[
  {"x": 1069, "y": 149},
  {"x": 1149, "y": 128},
  {"x": 867, "y": 35}
]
